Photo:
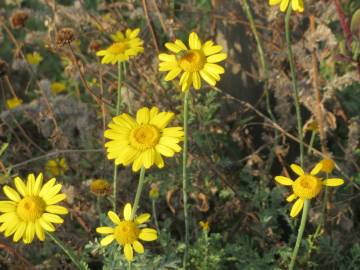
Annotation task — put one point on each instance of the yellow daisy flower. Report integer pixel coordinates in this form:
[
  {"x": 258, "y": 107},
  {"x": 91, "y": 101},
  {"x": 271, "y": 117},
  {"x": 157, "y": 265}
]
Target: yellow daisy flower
[
  {"x": 34, "y": 58},
  {"x": 204, "y": 225},
  {"x": 195, "y": 63},
  {"x": 328, "y": 165},
  {"x": 306, "y": 186},
  {"x": 32, "y": 208},
  {"x": 124, "y": 47},
  {"x": 100, "y": 187},
  {"x": 57, "y": 87},
  {"x": 56, "y": 167},
  {"x": 12, "y": 103},
  {"x": 127, "y": 232},
  {"x": 296, "y": 5},
  {"x": 143, "y": 140}
]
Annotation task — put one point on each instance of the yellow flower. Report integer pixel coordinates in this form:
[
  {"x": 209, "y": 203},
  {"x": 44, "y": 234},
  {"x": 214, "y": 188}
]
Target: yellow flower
[
  {"x": 34, "y": 58},
  {"x": 32, "y": 208},
  {"x": 296, "y": 5},
  {"x": 127, "y": 232},
  {"x": 56, "y": 167},
  {"x": 204, "y": 225},
  {"x": 143, "y": 140},
  {"x": 100, "y": 187},
  {"x": 124, "y": 47},
  {"x": 195, "y": 63},
  {"x": 13, "y": 103},
  {"x": 57, "y": 87},
  {"x": 328, "y": 165},
  {"x": 306, "y": 186}
]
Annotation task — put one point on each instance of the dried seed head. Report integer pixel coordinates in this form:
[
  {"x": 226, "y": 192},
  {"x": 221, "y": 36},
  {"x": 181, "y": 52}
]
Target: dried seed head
[
  {"x": 4, "y": 68},
  {"x": 65, "y": 36},
  {"x": 18, "y": 18}
]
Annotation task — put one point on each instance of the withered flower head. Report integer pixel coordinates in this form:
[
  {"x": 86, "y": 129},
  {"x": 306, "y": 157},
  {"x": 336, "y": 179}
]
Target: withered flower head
[
  {"x": 4, "y": 68},
  {"x": 18, "y": 18},
  {"x": 65, "y": 36}
]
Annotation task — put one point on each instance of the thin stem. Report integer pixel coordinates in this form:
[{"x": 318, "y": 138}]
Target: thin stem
[
  {"x": 184, "y": 171},
  {"x": 68, "y": 251},
  {"x": 118, "y": 103},
  {"x": 127, "y": 90},
  {"x": 98, "y": 208},
  {"x": 155, "y": 216},
  {"x": 129, "y": 267},
  {"x": 138, "y": 192},
  {"x": 323, "y": 212},
  {"x": 305, "y": 212},
  {"x": 294, "y": 83},
  {"x": 312, "y": 139}
]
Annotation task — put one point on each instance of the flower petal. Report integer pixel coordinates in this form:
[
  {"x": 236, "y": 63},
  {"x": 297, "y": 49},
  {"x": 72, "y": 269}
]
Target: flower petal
[
  {"x": 107, "y": 240},
  {"x": 127, "y": 212},
  {"x": 20, "y": 186},
  {"x": 105, "y": 230},
  {"x": 148, "y": 234},
  {"x": 316, "y": 169},
  {"x": 333, "y": 182},
  {"x": 11, "y": 193},
  {"x": 298, "y": 205},
  {"x": 284, "y": 180},
  {"x": 291, "y": 197},
  {"x": 142, "y": 218},
  {"x": 297, "y": 169},
  {"x": 129, "y": 253},
  {"x": 139, "y": 248},
  {"x": 114, "y": 217}
]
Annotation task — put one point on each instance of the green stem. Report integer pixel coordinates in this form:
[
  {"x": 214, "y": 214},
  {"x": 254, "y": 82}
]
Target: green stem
[
  {"x": 68, "y": 251},
  {"x": 312, "y": 139},
  {"x": 323, "y": 212},
  {"x": 98, "y": 208},
  {"x": 127, "y": 90},
  {"x": 300, "y": 233},
  {"x": 294, "y": 83},
  {"x": 184, "y": 171},
  {"x": 138, "y": 192},
  {"x": 118, "y": 103},
  {"x": 129, "y": 267},
  {"x": 155, "y": 216}
]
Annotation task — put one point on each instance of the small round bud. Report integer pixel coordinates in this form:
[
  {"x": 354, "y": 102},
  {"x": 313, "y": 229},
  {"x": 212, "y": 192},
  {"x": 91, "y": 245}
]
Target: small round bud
[
  {"x": 18, "y": 18},
  {"x": 328, "y": 165},
  {"x": 154, "y": 192}
]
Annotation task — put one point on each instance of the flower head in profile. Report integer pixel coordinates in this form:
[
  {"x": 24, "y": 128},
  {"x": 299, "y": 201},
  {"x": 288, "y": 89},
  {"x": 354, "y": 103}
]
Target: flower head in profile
[
  {"x": 32, "y": 208},
  {"x": 12, "y": 103},
  {"x": 143, "y": 141},
  {"x": 196, "y": 62},
  {"x": 56, "y": 167},
  {"x": 124, "y": 47},
  {"x": 306, "y": 186},
  {"x": 100, "y": 187},
  {"x": 296, "y": 5},
  {"x": 328, "y": 165},
  {"x": 128, "y": 232}
]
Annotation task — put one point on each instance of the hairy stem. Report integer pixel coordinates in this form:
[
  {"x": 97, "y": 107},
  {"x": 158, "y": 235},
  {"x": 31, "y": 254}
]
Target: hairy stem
[{"x": 184, "y": 180}]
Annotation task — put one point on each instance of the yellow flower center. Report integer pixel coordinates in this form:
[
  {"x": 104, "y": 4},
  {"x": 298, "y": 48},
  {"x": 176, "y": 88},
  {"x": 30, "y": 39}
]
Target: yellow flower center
[
  {"x": 144, "y": 137},
  {"x": 193, "y": 60},
  {"x": 31, "y": 208},
  {"x": 126, "y": 232},
  {"x": 118, "y": 48},
  {"x": 307, "y": 186}
]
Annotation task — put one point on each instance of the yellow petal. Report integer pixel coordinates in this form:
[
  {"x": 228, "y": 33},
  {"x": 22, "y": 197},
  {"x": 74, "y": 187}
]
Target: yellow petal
[
  {"x": 127, "y": 212},
  {"x": 49, "y": 184},
  {"x": 38, "y": 184},
  {"x": 142, "y": 218},
  {"x": 39, "y": 231},
  {"x": 194, "y": 41},
  {"x": 7, "y": 206},
  {"x": 164, "y": 150},
  {"x": 11, "y": 193},
  {"x": 274, "y": 2},
  {"x": 216, "y": 58},
  {"x": 29, "y": 233},
  {"x": 129, "y": 253},
  {"x": 297, "y": 169},
  {"x": 57, "y": 198},
  {"x": 30, "y": 184},
  {"x": 316, "y": 169},
  {"x": 20, "y": 186},
  {"x": 291, "y": 198},
  {"x": 46, "y": 225},
  {"x": 143, "y": 116},
  {"x": 284, "y": 180},
  {"x": 114, "y": 217},
  {"x": 298, "y": 205},
  {"x": 173, "y": 74},
  {"x": 196, "y": 80},
  {"x": 56, "y": 209},
  {"x": 104, "y": 230},
  {"x": 139, "y": 248},
  {"x": 107, "y": 240},
  {"x": 284, "y": 5},
  {"x": 148, "y": 234},
  {"x": 52, "y": 218},
  {"x": 19, "y": 232},
  {"x": 173, "y": 47},
  {"x": 333, "y": 182}
]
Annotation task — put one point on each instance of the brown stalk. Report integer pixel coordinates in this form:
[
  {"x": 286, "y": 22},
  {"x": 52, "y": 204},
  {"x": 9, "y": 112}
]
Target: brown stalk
[{"x": 149, "y": 23}]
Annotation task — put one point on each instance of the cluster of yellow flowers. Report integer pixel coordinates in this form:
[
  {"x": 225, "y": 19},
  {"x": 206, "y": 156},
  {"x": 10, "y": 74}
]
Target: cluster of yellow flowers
[{"x": 141, "y": 141}]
